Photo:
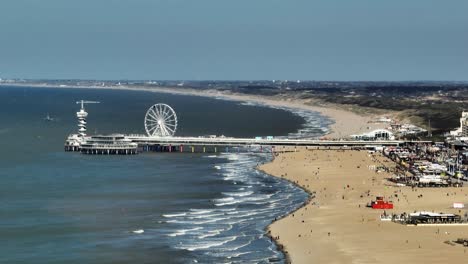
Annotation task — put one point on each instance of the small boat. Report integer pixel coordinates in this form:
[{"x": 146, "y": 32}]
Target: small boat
[{"x": 48, "y": 118}]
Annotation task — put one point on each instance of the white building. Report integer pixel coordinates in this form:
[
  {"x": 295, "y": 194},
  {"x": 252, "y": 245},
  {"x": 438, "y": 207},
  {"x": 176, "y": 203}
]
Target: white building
[
  {"x": 462, "y": 131},
  {"x": 378, "y": 134}
]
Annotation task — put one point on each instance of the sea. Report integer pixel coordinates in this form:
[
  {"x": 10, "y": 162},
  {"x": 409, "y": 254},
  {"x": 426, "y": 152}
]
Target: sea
[{"x": 64, "y": 207}]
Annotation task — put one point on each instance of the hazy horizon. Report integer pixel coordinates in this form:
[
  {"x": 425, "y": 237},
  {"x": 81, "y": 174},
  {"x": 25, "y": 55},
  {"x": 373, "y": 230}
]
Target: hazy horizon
[
  {"x": 362, "y": 40},
  {"x": 233, "y": 80}
]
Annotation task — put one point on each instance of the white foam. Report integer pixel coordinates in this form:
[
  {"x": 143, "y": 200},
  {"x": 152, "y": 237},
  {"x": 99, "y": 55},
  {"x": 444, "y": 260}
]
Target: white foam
[
  {"x": 213, "y": 220},
  {"x": 238, "y": 194},
  {"x": 182, "y": 232},
  {"x": 211, "y": 233},
  {"x": 233, "y": 157},
  {"x": 211, "y": 156},
  {"x": 237, "y": 221},
  {"x": 314, "y": 123},
  {"x": 178, "y": 222},
  {"x": 215, "y": 232},
  {"x": 199, "y": 220},
  {"x": 239, "y": 247},
  {"x": 204, "y": 216},
  {"x": 139, "y": 231},
  {"x": 200, "y": 211},
  {"x": 207, "y": 230},
  {"x": 227, "y": 199},
  {"x": 227, "y": 203},
  {"x": 174, "y": 215},
  {"x": 210, "y": 245},
  {"x": 232, "y": 200},
  {"x": 249, "y": 103},
  {"x": 239, "y": 254},
  {"x": 250, "y": 213}
]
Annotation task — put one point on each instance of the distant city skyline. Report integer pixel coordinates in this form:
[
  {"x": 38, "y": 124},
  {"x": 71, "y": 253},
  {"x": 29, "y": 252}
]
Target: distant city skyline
[{"x": 359, "y": 40}]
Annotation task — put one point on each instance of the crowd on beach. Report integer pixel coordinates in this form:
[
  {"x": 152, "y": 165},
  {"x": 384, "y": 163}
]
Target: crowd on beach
[{"x": 335, "y": 220}]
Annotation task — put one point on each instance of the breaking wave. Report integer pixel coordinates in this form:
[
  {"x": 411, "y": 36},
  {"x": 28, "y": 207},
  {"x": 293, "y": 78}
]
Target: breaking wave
[{"x": 233, "y": 226}]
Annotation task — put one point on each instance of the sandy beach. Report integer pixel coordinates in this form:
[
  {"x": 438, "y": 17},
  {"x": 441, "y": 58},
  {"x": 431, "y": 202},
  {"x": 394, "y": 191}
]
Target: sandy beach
[
  {"x": 345, "y": 122},
  {"x": 335, "y": 226}
]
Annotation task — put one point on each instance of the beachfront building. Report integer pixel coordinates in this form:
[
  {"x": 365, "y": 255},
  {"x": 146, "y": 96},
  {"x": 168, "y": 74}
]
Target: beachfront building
[
  {"x": 410, "y": 130},
  {"x": 462, "y": 131},
  {"x": 378, "y": 134}
]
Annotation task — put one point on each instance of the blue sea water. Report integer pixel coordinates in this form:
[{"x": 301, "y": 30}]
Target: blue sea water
[{"x": 59, "y": 207}]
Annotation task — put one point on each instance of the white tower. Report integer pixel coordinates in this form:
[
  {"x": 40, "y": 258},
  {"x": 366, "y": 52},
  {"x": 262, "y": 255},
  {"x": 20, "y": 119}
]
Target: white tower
[{"x": 82, "y": 115}]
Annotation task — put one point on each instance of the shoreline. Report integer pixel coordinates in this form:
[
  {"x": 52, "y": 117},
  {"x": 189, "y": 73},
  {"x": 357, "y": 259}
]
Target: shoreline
[
  {"x": 267, "y": 231},
  {"x": 310, "y": 196},
  {"x": 335, "y": 226},
  {"x": 341, "y": 119},
  {"x": 344, "y": 122},
  {"x": 216, "y": 95},
  {"x": 280, "y": 246}
]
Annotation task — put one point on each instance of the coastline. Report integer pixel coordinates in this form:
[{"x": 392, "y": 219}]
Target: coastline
[
  {"x": 342, "y": 118},
  {"x": 310, "y": 196},
  {"x": 280, "y": 246},
  {"x": 334, "y": 225},
  {"x": 272, "y": 197},
  {"x": 210, "y": 94},
  {"x": 345, "y": 122}
]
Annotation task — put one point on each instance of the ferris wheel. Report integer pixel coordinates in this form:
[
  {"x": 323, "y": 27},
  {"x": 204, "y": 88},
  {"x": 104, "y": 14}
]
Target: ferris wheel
[{"x": 160, "y": 121}]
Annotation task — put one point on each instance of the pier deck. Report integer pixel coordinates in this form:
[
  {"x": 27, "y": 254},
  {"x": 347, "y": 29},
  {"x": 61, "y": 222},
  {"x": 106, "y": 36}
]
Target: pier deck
[
  {"x": 132, "y": 144},
  {"x": 228, "y": 141}
]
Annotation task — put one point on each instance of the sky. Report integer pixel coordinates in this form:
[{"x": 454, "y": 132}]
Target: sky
[{"x": 234, "y": 40}]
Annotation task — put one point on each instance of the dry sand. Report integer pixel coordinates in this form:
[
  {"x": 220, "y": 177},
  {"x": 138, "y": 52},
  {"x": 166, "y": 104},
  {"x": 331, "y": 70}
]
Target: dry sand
[
  {"x": 337, "y": 227},
  {"x": 345, "y": 122}
]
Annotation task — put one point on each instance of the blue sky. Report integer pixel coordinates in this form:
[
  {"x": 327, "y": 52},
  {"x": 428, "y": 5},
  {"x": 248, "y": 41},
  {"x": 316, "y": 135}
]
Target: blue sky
[{"x": 237, "y": 39}]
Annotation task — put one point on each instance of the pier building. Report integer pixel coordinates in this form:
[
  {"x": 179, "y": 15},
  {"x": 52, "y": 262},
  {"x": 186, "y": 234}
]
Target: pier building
[
  {"x": 108, "y": 144},
  {"x": 100, "y": 144}
]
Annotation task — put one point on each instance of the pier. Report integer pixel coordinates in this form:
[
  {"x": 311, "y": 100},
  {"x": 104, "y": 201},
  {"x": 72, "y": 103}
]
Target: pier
[
  {"x": 215, "y": 145},
  {"x": 231, "y": 144},
  {"x": 161, "y": 123}
]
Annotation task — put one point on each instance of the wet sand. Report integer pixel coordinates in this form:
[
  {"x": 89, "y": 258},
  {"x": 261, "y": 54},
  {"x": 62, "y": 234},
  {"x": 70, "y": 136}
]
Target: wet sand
[{"x": 337, "y": 227}]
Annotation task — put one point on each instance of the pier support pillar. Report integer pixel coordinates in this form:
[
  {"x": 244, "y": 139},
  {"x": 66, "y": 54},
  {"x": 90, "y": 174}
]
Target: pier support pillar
[{"x": 181, "y": 148}]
